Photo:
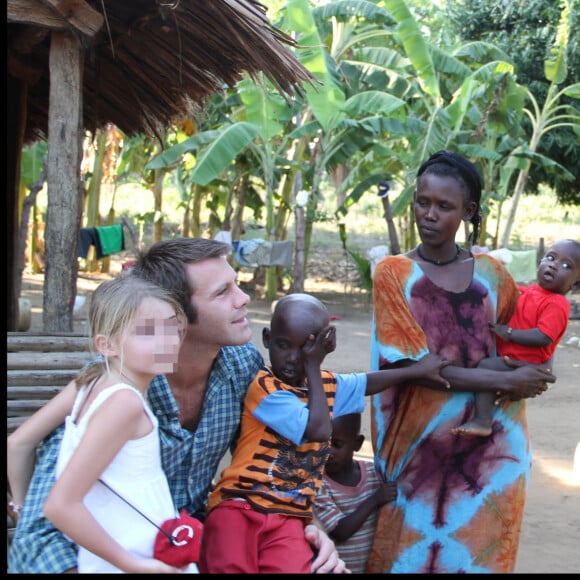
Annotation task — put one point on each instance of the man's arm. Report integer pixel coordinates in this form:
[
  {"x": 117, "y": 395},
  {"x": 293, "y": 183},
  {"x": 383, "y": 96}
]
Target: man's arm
[
  {"x": 22, "y": 444},
  {"x": 38, "y": 547},
  {"x": 326, "y": 560}
]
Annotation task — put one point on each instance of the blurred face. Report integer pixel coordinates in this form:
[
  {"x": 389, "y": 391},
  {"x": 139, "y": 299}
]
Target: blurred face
[
  {"x": 151, "y": 345},
  {"x": 285, "y": 340},
  {"x": 221, "y": 305},
  {"x": 559, "y": 269},
  {"x": 440, "y": 206}
]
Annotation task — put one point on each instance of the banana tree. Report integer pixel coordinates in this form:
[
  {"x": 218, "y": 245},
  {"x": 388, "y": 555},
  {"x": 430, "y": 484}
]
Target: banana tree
[
  {"x": 466, "y": 99},
  {"x": 255, "y": 131},
  {"x": 552, "y": 114},
  {"x": 136, "y": 153},
  {"x": 33, "y": 173},
  {"x": 438, "y": 89},
  {"x": 395, "y": 113},
  {"x": 387, "y": 101},
  {"x": 260, "y": 127}
]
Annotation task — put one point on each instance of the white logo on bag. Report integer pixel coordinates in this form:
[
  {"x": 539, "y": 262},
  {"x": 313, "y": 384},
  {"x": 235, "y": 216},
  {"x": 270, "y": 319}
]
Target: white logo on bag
[{"x": 190, "y": 534}]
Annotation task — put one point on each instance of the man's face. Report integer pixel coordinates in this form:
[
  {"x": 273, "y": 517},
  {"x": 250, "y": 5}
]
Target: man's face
[{"x": 220, "y": 304}]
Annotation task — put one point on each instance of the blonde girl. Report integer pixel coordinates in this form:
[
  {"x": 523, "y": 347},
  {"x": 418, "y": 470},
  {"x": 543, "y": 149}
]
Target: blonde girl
[{"x": 111, "y": 435}]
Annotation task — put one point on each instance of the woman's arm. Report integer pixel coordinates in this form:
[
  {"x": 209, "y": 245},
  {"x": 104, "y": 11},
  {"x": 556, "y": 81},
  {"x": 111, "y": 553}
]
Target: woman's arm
[
  {"x": 524, "y": 382},
  {"x": 22, "y": 443}
]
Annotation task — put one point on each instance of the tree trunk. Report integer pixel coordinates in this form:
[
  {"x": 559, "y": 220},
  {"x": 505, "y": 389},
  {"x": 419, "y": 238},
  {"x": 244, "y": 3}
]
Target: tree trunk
[
  {"x": 238, "y": 217},
  {"x": 519, "y": 189},
  {"x": 299, "y": 251},
  {"x": 63, "y": 215},
  {"x": 393, "y": 238},
  {"x": 158, "y": 216},
  {"x": 25, "y": 219},
  {"x": 93, "y": 198}
]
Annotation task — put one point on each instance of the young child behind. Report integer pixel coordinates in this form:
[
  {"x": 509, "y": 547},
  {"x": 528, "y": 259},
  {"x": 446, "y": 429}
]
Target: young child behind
[
  {"x": 536, "y": 327},
  {"x": 351, "y": 494},
  {"x": 264, "y": 499},
  {"x": 110, "y": 433}
]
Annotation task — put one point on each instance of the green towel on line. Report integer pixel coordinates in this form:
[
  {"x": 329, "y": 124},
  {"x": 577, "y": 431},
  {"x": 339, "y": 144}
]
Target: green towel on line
[
  {"x": 523, "y": 266},
  {"x": 111, "y": 238}
]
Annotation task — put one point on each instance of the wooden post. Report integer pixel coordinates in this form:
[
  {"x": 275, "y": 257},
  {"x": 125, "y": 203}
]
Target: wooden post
[
  {"x": 541, "y": 251},
  {"x": 64, "y": 207}
]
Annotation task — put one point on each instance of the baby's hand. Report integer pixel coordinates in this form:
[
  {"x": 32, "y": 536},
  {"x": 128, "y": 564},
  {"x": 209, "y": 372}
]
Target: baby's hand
[
  {"x": 429, "y": 368},
  {"x": 500, "y": 330}
]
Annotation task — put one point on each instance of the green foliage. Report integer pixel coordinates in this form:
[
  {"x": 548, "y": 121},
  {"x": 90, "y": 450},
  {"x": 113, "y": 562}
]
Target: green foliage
[
  {"x": 399, "y": 79},
  {"x": 327, "y": 99},
  {"x": 415, "y": 46},
  {"x": 363, "y": 266},
  {"x": 31, "y": 162},
  {"x": 532, "y": 34}
]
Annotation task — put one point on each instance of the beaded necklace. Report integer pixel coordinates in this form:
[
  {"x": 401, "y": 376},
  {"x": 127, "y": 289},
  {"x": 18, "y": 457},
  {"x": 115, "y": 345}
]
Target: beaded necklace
[{"x": 439, "y": 262}]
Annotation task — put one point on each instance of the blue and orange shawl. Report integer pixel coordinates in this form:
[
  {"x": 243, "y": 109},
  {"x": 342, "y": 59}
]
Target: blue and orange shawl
[{"x": 461, "y": 499}]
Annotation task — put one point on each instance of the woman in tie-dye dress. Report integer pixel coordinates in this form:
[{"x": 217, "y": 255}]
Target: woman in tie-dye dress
[{"x": 461, "y": 499}]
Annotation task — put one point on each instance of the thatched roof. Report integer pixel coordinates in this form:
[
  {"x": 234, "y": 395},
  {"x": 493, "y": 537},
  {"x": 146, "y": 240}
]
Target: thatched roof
[{"x": 148, "y": 63}]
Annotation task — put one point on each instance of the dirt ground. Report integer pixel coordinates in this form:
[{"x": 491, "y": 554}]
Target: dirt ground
[{"x": 551, "y": 534}]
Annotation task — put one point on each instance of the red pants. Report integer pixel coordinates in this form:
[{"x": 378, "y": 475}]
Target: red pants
[{"x": 238, "y": 539}]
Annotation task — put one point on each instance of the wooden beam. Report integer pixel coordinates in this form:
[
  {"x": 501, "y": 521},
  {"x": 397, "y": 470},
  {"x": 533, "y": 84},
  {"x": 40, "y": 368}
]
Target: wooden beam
[
  {"x": 73, "y": 15},
  {"x": 46, "y": 342},
  {"x": 79, "y": 15},
  {"x": 34, "y": 12}
]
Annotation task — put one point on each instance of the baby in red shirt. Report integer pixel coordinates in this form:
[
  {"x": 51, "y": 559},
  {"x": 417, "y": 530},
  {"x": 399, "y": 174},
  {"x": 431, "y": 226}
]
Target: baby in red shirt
[{"x": 537, "y": 326}]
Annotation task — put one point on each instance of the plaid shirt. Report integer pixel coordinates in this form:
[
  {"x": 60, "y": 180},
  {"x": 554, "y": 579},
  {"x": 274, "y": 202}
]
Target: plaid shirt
[{"x": 190, "y": 460}]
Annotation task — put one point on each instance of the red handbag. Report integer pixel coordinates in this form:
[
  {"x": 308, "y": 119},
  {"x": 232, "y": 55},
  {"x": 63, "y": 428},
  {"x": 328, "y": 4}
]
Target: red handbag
[{"x": 178, "y": 541}]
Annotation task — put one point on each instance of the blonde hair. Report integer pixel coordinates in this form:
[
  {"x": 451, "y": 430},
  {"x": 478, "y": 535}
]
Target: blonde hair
[{"x": 114, "y": 305}]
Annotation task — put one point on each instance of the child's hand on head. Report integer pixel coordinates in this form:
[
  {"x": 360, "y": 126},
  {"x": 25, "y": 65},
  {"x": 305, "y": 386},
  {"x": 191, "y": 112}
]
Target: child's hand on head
[
  {"x": 317, "y": 347},
  {"x": 329, "y": 338}
]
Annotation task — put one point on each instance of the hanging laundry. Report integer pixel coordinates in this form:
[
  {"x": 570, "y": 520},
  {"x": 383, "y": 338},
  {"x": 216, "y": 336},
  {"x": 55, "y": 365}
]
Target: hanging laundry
[
  {"x": 111, "y": 238},
  {"x": 523, "y": 266},
  {"x": 258, "y": 252},
  {"x": 88, "y": 237}
]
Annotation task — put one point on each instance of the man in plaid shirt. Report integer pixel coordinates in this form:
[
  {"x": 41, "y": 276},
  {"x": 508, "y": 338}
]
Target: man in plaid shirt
[{"x": 198, "y": 407}]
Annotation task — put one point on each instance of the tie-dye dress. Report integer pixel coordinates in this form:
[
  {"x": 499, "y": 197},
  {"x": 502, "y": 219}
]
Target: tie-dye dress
[{"x": 461, "y": 499}]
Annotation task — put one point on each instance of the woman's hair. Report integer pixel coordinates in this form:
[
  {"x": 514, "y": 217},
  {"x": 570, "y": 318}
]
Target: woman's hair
[
  {"x": 449, "y": 164},
  {"x": 165, "y": 261},
  {"x": 114, "y": 305}
]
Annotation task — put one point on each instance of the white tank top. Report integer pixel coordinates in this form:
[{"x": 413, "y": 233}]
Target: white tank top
[{"x": 135, "y": 473}]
